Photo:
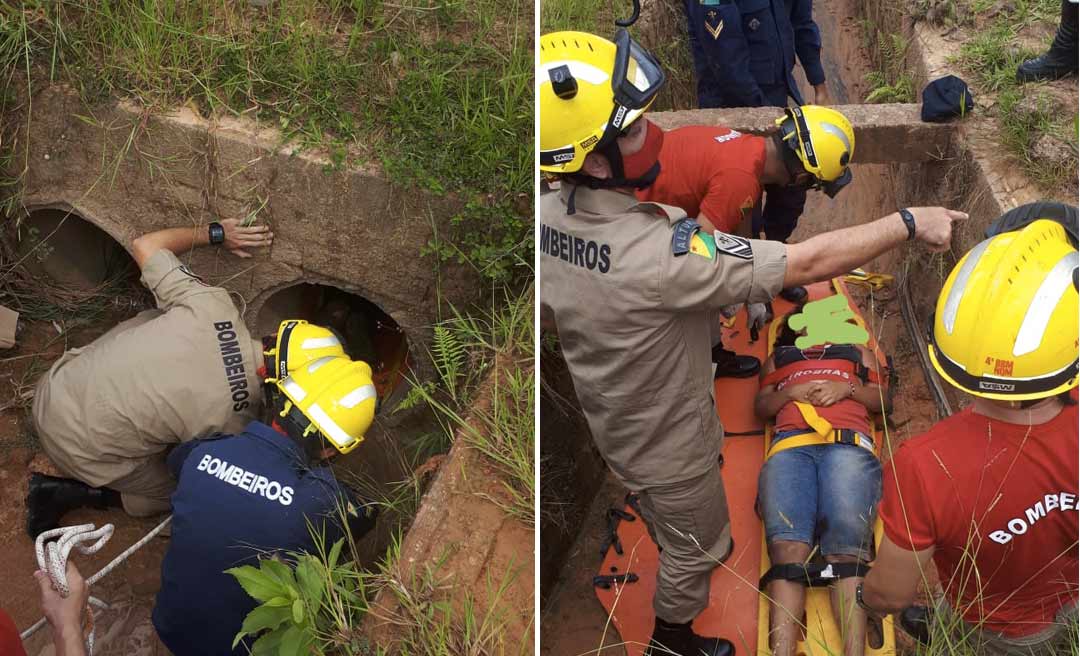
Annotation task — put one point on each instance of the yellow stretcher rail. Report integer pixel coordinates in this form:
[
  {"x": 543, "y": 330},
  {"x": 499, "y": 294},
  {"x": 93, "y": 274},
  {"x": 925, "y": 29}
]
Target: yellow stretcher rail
[{"x": 821, "y": 635}]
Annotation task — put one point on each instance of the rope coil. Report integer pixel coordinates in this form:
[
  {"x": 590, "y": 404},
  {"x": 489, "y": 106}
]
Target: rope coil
[{"x": 52, "y": 559}]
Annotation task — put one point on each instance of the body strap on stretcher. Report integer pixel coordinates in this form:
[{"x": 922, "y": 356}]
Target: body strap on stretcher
[
  {"x": 823, "y": 433},
  {"x": 813, "y": 574}
]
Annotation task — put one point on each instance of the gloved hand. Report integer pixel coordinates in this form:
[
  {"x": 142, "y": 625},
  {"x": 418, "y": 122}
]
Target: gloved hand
[
  {"x": 729, "y": 311},
  {"x": 757, "y": 315}
]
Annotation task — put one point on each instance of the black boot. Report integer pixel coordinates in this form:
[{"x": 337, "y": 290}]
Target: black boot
[
  {"x": 915, "y": 621},
  {"x": 51, "y": 497},
  {"x": 1060, "y": 60},
  {"x": 731, "y": 365},
  {"x": 669, "y": 639},
  {"x": 796, "y": 295}
]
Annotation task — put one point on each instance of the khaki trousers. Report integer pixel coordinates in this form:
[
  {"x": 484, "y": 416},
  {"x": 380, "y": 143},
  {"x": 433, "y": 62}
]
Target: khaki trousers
[
  {"x": 146, "y": 491},
  {"x": 689, "y": 521}
]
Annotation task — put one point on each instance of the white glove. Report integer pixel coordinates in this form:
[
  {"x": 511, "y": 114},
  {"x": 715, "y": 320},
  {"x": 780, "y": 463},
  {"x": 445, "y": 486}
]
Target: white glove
[{"x": 757, "y": 315}]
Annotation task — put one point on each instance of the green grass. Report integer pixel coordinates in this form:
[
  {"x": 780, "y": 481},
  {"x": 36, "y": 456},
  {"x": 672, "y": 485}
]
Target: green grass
[
  {"x": 667, "y": 41},
  {"x": 991, "y": 56},
  {"x": 317, "y": 603},
  {"x": 890, "y": 82},
  {"x": 467, "y": 349},
  {"x": 438, "y": 91}
]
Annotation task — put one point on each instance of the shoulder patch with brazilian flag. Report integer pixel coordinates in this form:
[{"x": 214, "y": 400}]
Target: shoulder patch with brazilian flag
[
  {"x": 703, "y": 245},
  {"x": 688, "y": 238}
]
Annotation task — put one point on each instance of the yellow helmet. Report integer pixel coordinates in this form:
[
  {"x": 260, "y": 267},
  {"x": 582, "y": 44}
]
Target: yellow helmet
[
  {"x": 1006, "y": 324},
  {"x": 332, "y": 396},
  {"x": 296, "y": 344},
  {"x": 824, "y": 143},
  {"x": 590, "y": 90}
]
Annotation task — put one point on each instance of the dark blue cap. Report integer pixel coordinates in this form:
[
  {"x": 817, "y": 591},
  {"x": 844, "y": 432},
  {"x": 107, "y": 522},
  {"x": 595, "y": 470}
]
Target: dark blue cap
[{"x": 946, "y": 98}]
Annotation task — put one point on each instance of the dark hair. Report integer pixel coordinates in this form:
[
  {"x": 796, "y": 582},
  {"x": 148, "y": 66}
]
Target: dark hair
[{"x": 787, "y": 335}]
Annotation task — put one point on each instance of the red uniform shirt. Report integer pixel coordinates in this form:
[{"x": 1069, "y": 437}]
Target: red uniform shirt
[
  {"x": 709, "y": 170},
  {"x": 846, "y": 413},
  {"x": 1003, "y": 496},
  {"x": 10, "y": 644}
]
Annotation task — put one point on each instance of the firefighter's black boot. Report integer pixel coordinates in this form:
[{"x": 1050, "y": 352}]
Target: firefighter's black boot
[
  {"x": 669, "y": 639},
  {"x": 731, "y": 365},
  {"x": 1060, "y": 60},
  {"x": 50, "y": 498}
]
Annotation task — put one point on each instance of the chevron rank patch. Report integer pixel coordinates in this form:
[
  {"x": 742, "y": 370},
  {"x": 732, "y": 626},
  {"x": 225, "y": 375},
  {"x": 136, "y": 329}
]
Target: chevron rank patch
[
  {"x": 703, "y": 245},
  {"x": 731, "y": 245}
]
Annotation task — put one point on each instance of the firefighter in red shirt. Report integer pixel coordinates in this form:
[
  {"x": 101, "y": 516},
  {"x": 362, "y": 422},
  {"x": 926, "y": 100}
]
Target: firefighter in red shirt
[
  {"x": 990, "y": 493},
  {"x": 716, "y": 175}
]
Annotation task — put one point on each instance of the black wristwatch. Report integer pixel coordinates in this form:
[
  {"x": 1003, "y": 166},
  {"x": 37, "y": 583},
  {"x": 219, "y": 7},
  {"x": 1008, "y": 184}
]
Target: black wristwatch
[
  {"x": 217, "y": 234},
  {"x": 909, "y": 221},
  {"x": 861, "y": 603}
]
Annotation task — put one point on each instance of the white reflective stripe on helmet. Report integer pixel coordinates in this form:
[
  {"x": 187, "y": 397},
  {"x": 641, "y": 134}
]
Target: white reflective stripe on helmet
[
  {"x": 319, "y": 342},
  {"x": 328, "y": 426},
  {"x": 316, "y": 365},
  {"x": 1046, "y": 300},
  {"x": 580, "y": 70},
  {"x": 952, "y": 303},
  {"x": 358, "y": 395},
  {"x": 295, "y": 392},
  {"x": 836, "y": 132}
]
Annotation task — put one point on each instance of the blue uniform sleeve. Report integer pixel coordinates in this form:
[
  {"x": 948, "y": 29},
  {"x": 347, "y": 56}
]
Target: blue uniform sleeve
[
  {"x": 717, "y": 29},
  {"x": 176, "y": 457},
  {"x": 807, "y": 40}
]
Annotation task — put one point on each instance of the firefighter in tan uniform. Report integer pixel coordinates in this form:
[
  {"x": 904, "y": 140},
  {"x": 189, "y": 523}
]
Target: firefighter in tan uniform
[
  {"x": 630, "y": 287},
  {"x": 107, "y": 413}
]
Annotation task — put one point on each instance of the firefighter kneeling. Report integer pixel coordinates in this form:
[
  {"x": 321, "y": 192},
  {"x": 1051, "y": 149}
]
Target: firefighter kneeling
[{"x": 263, "y": 491}]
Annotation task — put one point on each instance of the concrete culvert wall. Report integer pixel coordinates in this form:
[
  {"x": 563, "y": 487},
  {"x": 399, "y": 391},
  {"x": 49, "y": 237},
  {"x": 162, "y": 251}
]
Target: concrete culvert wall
[
  {"x": 130, "y": 171},
  {"x": 367, "y": 333}
]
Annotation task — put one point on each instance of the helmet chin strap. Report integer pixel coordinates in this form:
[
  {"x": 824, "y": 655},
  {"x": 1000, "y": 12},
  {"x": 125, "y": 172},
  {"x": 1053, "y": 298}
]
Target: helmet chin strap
[{"x": 618, "y": 179}]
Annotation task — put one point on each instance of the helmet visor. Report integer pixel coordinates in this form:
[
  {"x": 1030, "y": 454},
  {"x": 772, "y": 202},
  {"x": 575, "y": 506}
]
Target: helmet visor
[{"x": 637, "y": 76}]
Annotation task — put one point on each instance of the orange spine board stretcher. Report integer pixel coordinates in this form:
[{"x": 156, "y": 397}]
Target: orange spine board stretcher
[{"x": 737, "y": 610}]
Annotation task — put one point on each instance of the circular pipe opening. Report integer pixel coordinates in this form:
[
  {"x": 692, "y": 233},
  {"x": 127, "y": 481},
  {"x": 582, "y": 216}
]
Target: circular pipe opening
[
  {"x": 73, "y": 252},
  {"x": 367, "y": 332}
]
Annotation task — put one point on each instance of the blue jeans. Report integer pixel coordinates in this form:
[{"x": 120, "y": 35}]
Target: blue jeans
[{"x": 823, "y": 493}]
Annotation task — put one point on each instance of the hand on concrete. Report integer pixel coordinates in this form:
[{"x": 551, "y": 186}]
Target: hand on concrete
[
  {"x": 238, "y": 237},
  {"x": 934, "y": 225},
  {"x": 821, "y": 95},
  {"x": 65, "y": 614}
]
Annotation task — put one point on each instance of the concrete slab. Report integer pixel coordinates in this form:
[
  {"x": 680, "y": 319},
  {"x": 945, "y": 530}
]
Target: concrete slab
[{"x": 884, "y": 134}]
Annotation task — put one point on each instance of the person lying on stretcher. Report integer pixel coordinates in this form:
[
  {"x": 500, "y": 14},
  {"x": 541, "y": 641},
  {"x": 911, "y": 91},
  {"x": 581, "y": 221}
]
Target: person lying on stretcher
[{"x": 821, "y": 481}]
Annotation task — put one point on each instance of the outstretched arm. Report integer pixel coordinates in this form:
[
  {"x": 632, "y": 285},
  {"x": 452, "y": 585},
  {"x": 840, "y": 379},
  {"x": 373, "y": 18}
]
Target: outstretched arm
[
  {"x": 832, "y": 253},
  {"x": 238, "y": 238}
]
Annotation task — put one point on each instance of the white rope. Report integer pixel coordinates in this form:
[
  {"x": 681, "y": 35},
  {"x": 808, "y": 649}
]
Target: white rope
[{"x": 52, "y": 559}]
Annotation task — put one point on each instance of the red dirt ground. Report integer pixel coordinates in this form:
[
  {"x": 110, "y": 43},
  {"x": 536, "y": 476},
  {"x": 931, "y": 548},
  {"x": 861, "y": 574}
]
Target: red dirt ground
[{"x": 131, "y": 588}]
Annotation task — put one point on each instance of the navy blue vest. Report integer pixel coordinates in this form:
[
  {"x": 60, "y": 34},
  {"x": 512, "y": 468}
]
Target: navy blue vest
[{"x": 237, "y": 496}]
